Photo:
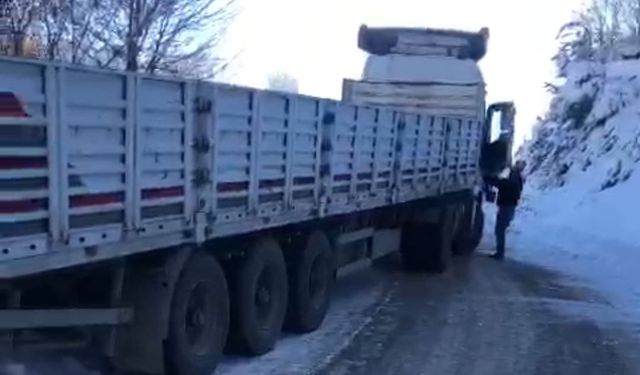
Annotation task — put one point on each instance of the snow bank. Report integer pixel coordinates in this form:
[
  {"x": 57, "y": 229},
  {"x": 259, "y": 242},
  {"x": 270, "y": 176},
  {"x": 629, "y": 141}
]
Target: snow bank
[
  {"x": 585, "y": 154},
  {"x": 611, "y": 214},
  {"x": 606, "y": 267}
]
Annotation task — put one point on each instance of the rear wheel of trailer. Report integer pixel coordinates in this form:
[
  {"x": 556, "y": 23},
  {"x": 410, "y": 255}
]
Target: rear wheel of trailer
[
  {"x": 259, "y": 293},
  {"x": 311, "y": 277},
  {"x": 470, "y": 226},
  {"x": 426, "y": 243},
  {"x": 199, "y": 318}
]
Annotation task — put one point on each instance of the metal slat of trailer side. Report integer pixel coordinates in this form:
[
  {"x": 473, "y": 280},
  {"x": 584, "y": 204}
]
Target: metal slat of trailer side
[
  {"x": 230, "y": 158},
  {"x": 384, "y": 154},
  {"x": 438, "y": 139},
  {"x": 292, "y": 123},
  {"x": 343, "y": 165},
  {"x": 276, "y": 123},
  {"x": 93, "y": 154},
  {"x": 407, "y": 163},
  {"x": 364, "y": 155},
  {"x": 163, "y": 152},
  {"x": 424, "y": 127},
  {"x": 23, "y": 121},
  {"x": 462, "y": 145},
  {"x": 419, "y": 160},
  {"x": 26, "y": 160}
]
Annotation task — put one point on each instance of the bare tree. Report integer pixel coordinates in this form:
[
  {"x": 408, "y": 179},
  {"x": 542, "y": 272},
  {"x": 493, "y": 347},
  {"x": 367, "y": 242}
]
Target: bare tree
[
  {"x": 21, "y": 16},
  {"x": 54, "y": 24},
  {"x": 631, "y": 16},
  {"x": 283, "y": 82},
  {"x": 604, "y": 20},
  {"x": 175, "y": 37},
  {"x": 161, "y": 36},
  {"x": 575, "y": 43}
]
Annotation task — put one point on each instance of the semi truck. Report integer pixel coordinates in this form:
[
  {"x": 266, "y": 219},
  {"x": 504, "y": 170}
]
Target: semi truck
[{"x": 160, "y": 221}]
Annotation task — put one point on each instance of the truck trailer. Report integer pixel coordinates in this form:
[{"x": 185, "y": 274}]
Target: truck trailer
[{"x": 159, "y": 221}]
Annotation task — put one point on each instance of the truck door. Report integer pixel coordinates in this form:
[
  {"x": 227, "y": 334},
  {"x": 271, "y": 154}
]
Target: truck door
[{"x": 499, "y": 131}]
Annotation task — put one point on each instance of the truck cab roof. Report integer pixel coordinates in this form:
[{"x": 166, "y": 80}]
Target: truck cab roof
[{"x": 424, "y": 41}]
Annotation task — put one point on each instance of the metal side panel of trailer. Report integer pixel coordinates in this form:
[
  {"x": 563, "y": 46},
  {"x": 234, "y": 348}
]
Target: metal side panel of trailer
[{"x": 107, "y": 164}]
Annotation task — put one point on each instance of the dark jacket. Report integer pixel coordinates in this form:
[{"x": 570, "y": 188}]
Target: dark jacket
[{"x": 509, "y": 189}]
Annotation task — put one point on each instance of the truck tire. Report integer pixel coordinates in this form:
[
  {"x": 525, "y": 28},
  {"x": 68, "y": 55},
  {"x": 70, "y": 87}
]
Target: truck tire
[
  {"x": 462, "y": 234},
  {"x": 427, "y": 247},
  {"x": 259, "y": 298},
  {"x": 199, "y": 318},
  {"x": 310, "y": 282},
  {"x": 462, "y": 240},
  {"x": 470, "y": 228},
  {"x": 413, "y": 247},
  {"x": 440, "y": 242},
  {"x": 477, "y": 227}
]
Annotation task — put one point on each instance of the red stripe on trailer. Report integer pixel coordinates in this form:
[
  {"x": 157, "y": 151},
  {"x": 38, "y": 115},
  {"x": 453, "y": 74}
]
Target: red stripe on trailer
[
  {"x": 95, "y": 199},
  {"x": 10, "y": 105},
  {"x": 225, "y": 187},
  {"x": 15, "y": 207},
  {"x": 11, "y": 162},
  {"x": 176, "y": 191}
]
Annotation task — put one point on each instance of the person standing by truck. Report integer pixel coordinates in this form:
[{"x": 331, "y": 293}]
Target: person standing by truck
[{"x": 509, "y": 192}]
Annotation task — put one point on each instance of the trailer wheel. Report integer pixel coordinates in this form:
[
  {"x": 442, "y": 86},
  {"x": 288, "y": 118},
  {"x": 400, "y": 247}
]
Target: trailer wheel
[
  {"x": 413, "y": 247},
  {"x": 199, "y": 318},
  {"x": 440, "y": 247},
  {"x": 310, "y": 283},
  {"x": 259, "y": 298},
  {"x": 477, "y": 227},
  {"x": 428, "y": 246},
  {"x": 464, "y": 230}
]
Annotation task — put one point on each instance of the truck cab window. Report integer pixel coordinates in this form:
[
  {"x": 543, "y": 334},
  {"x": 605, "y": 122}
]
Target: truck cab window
[
  {"x": 495, "y": 127},
  {"x": 496, "y": 153}
]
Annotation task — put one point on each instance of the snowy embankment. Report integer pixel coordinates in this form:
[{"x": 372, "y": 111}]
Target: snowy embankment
[
  {"x": 581, "y": 210},
  {"x": 585, "y": 154}
]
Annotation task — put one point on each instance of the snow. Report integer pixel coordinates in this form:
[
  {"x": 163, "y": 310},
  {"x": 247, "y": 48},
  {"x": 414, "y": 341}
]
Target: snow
[
  {"x": 579, "y": 215},
  {"x": 421, "y": 69},
  {"x": 590, "y": 137},
  {"x": 352, "y": 308},
  {"x": 591, "y": 244},
  {"x": 584, "y": 175},
  {"x": 608, "y": 214}
]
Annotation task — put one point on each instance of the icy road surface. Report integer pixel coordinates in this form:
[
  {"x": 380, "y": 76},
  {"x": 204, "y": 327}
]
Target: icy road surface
[
  {"x": 542, "y": 311},
  {"x": 565, "y": 302}
]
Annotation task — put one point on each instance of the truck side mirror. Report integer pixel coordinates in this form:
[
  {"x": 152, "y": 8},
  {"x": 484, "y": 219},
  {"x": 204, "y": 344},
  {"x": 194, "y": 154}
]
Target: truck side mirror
[{"x": 498, "y": 139}]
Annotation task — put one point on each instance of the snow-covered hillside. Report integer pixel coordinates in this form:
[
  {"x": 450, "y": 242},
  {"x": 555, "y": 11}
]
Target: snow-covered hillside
[{"x": 584, "y": 157}]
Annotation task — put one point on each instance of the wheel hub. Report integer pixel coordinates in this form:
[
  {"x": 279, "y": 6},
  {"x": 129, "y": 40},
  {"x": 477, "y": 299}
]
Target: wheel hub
[
  {"x": 264, "y": 297},
  {"x": 317, "y": 281},
  {"x": 197, "y": 323}
]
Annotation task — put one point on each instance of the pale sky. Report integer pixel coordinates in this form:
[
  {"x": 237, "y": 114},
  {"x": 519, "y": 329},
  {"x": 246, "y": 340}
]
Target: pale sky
[{"x": 316, "y": 42}]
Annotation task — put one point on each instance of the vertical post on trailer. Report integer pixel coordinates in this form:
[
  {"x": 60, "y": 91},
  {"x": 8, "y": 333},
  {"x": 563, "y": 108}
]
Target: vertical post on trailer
[{"x": 53, "y": 141}]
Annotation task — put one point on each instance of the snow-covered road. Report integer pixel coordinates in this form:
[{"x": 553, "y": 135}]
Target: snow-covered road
[
  {"x": 561, "y": 304},
  {"x": 354, "y": 303},
  {"x": 566, "y": 301},
  {"x": 589, "y": 254}
]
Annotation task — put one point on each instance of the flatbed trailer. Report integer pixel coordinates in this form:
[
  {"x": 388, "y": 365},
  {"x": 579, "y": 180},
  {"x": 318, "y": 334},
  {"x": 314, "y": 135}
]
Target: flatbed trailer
[{"x": 175, "y": 215}]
